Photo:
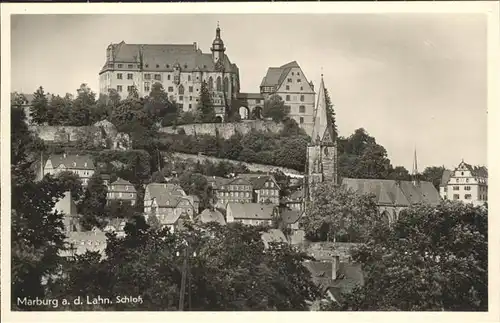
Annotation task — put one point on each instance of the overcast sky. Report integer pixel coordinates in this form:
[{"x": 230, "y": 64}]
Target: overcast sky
[{"x": 411, "y": 80}]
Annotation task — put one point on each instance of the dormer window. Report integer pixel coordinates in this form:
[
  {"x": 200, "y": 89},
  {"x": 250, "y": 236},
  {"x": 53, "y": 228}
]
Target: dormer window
[
  {"x": 168, "y": 66},
  {"x": 147, "y": 65},
  {"x": 157, "y": 65},
  {"x": 74, "y": 164},
  {"x": 85, "y": 164}
]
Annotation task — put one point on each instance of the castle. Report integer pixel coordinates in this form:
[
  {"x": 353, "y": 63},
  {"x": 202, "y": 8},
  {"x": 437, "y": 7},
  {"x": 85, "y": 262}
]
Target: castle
[{"x": 182, "y": 69}]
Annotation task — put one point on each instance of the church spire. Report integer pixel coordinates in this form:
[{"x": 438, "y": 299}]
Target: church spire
[
  {"x": 415, "y": 167},
  {"x": 322, "y": 128}
]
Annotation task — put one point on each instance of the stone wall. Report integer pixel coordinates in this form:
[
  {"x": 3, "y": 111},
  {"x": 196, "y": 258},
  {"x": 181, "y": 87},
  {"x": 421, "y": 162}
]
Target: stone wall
[
  {"x": 48, "y": 133},
  {"x": 252, "y": 167},
  {"x": 326, "y": 250},
  {"x": 226, "y": 130}
]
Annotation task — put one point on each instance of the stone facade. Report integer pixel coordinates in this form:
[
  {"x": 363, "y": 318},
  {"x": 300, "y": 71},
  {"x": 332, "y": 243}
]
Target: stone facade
[{"x": 225, "y": 130}]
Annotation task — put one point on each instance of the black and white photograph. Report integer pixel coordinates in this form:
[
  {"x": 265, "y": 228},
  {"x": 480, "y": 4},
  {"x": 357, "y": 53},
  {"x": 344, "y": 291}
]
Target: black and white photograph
[{"x": 324, "y": 161}]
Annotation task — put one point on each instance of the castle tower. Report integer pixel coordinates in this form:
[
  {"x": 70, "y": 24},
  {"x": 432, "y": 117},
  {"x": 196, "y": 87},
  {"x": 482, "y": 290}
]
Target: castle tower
[
  {"x": 321, "y": 164},
  {"x": 218, "y": 48}
]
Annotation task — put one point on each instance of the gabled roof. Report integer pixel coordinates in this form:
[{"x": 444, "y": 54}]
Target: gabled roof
[
  {"x": 273, "y": 235},
  {"x": 121, "y": 181},
  {"x": 391, "y": 192},
  {"x": 72, "y": 161},
  {"x": 252, "y": 211},
  {"x": 211, "y": 216},
  {"x": 258, "y": 181},
  {"x": 276, "y": 75},
  {"x": 290, "y": 216},
  {"x": 187, "y": 56},
  {"x": 167, "y": 195}
]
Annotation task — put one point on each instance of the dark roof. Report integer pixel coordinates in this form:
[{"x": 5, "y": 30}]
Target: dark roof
[
  {"x": 121, "y": 182},
  {"x": 251, "y": 210},
  {"x": 276, "y": 75},
  {"x": 445, "y": 178},
  {"x": 167, "y": 195},
  {"x": 290, "y": 216},
  {"x": 72, "y": 161},
  {"x": 273, "y": 235},
  {"x": 258, "y": 180},
  {"x": 211, "y": 216},
  {"x": 391, "y": 192},
  {"x": 296, "y": 196},
  {"x": 188, "y": 56}
]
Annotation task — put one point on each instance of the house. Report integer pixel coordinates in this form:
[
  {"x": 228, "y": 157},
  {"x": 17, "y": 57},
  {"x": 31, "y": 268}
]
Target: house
[
  {"x": 80, "y": 242},
  {"x": 294, "y": 201},
  {"x": 265, "y": 188},
  {"x": 290, "y": 83},
  {"x": 273, "y": 236},
  {"x": 211, "y": 215},
  {"x": 393, "y": 196},
  {"x": 335, "y": 278},
  {"x": 81, "y": 165},
  {"x": 117, "y": 226},
  {"x": 123, "y": 191},
  {"x": 290, "y": 218},
  {"x": 251, "y": 213},
  {"x": 465, "y": 183},
  {"x": 168, "y": 202},
  {"x": 245, "y": 188}
]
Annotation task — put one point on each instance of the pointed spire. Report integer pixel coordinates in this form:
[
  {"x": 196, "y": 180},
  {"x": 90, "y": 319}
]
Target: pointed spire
[
  {"x": 322, "y": 123},
  {"x": 415, "y": 165}
]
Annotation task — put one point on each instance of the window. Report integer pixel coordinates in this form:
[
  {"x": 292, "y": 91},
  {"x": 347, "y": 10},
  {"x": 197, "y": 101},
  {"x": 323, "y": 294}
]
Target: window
[
  {"x": 147, "y": 87},
  {"x": 190, "y": 107},
  {"x": 292, "y": 73},
  {"x": 457, "y": 180},
  {"x": 301, "y": 88},
  {"x": 267, "y": 184},
  {"x": 298, "y": 74},
  {"x": 302, "y": 109},
  {"x": 158, "y": 77},
  {"x": 147, "y": 65},
  {"x": 456, "y": 188},
  {"x": 190, "y": 98},
  {"x": 147, "y": 76},
  {"x": 185, "y": 66},
  {"x": 299, "y": 80},
  {"x": 456, "y": 196},
  {"x": 288, "y": 87},
  {"x": 446, "y": 189},
  {"x": 130, "y": 88},
  {"x": 301, "y": 120},
  {"x": 289, "y": 80},
  {"x": 118, "y": 88},
  {"x": 168, "y": 77},
  {"x": 157, "y": 65},
  {"x": 287, "y": 98},
  {"x": 181, "y": 98},
  {"x": 126, "y": 188},
  {"x": 462, "y": 174},
  {"x": 130, "y": 66},
  {"x": 301, "y": 98},
  {"x": 467, "y": 196},
  {"x": 271, "y": 184},
  {"x": 130, "y": 76},
  {"x": 170, "y": 89},
  {"x": 257, "y": 101},
  {"x": 181, "y": 89},
  {"x": 467, "y": 188},
  {"x": 119, "y": 76},
  {"x": 189, "y": 77},
  {"x": 120, "y": 65},
  {"x": 190, "y": 89},
  {"x": 466, "y": 180},
  {"x": 168, "y": 66}
]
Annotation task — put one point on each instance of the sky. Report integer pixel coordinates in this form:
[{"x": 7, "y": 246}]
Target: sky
[{"x": 412, "y": 81}]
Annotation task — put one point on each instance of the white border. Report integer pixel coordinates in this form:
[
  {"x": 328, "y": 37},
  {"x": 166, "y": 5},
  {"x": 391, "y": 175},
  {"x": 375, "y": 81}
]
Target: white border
[{"x": 491, "y": 9}]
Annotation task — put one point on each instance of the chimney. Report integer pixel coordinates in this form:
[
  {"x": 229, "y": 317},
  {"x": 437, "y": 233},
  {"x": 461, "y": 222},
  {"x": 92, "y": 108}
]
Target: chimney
[
  {"x": 195, "y": 46},
  {"x": 335, "y": 266}
]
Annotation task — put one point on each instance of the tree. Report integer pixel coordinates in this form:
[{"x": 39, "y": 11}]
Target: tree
[
  {"x": 197, "y": 184},
  {"x": 94, "y": 201},
  {"x": 88, "y": 138},
  {"x": 205, "y": 110},
  {"x": 434, "y": 175},
  {"x": 157, "y": 177},
  {"x": 70, "y": 181},
  {"x": 431, "y": 259},
  {"x": 36, "y": 231},
  {"x": 231, "y": 270},
  {"x": 39, "y": 107},
  {"x": 59, "y": 110},
  {"x": 82, "y": 104},
  {"x": 339, "y": 214},
  {"x": 275, "y": 108},
  {"x": 399, "y": 173}
]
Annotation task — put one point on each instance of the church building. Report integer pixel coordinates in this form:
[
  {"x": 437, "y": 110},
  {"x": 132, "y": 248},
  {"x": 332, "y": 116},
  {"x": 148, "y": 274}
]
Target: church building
[
  {"x": 180, "y": 68},
  {"x": 391, "y": 196}
]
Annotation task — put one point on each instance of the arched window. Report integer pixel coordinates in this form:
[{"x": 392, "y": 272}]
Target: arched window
[
  {"x": 226, "y": 85},
  {"x": 219, "y": 84},
  {"x": 210, "y": 83},
  {"x": 181, "y": 89}
]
